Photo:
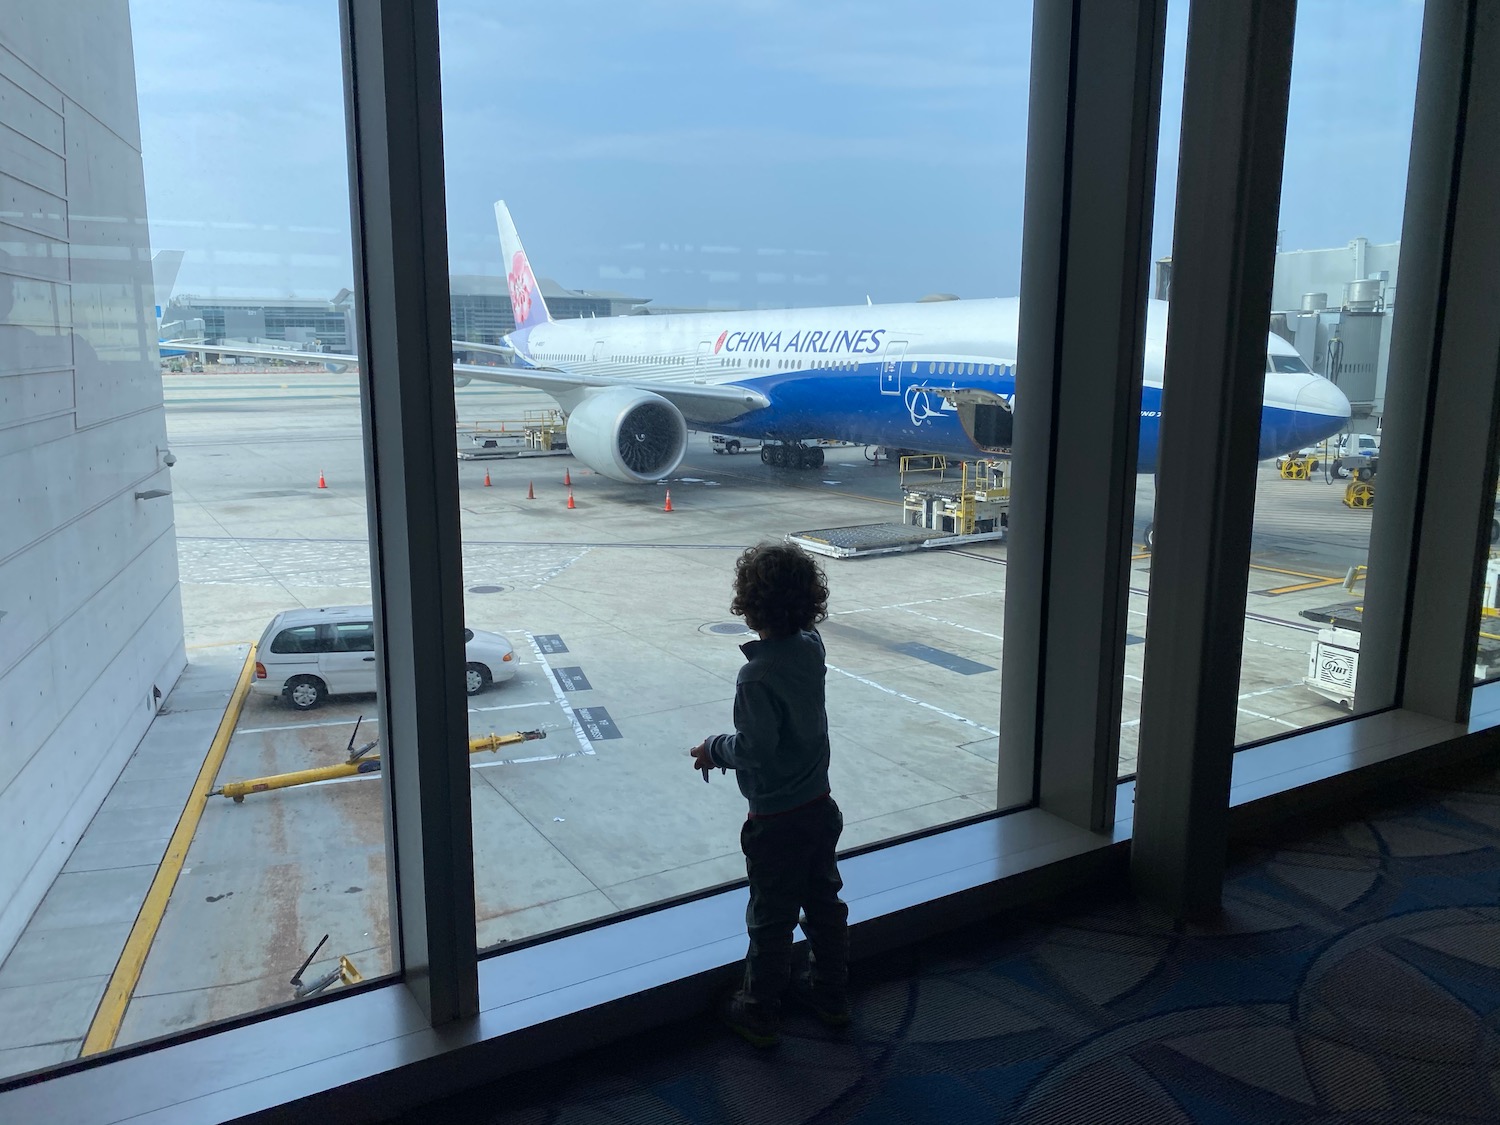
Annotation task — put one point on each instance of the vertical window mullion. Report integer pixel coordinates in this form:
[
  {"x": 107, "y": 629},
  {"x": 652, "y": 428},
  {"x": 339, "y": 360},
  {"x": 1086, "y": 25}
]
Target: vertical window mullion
[
  {"x": 1090, "y": 185},
  {"x": 1239, "y": 58},
  {"x": 1442, "y": 408},
  {"x": 391, "y": 76}
]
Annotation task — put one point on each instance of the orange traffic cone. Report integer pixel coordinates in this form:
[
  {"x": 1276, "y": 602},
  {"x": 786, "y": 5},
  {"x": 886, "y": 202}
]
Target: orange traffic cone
[
  {"x": 486, "y": 478},
  {"x": 321, "y": 482},
  {"x": 667, "y": 507},
  {"x": 531, "y": 490},
  {"x": 570, "y": 499},
  {"x": 568, "y": 477}
]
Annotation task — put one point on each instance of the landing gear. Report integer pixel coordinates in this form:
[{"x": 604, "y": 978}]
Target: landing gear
[{"x": 792, "y": 455}]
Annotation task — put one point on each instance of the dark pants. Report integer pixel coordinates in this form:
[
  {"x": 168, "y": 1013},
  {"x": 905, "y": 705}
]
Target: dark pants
[{"x": 792, "y": 864}]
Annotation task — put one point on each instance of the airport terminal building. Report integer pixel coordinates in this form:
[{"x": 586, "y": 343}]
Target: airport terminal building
[
  {"x": 343, "y": 757},
  {"x": 481, "y": 312}
]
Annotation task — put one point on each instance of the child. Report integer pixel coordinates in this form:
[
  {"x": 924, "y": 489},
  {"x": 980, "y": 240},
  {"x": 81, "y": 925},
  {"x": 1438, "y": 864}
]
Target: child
[{"x": 779, "y": 752}]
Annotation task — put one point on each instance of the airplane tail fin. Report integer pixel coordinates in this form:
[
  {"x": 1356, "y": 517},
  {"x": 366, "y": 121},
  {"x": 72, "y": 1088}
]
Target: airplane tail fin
[
  {"x": 164, "y": 267},
  {"x": 525, "y": 297}
]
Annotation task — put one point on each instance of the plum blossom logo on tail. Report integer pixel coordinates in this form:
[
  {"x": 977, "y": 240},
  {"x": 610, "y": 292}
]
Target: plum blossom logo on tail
[{"x": 522, "y": 286}]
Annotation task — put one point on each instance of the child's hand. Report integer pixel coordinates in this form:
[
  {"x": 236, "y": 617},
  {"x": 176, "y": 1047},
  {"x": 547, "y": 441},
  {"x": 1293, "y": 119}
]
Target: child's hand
[{"x": 701, "y": 759}]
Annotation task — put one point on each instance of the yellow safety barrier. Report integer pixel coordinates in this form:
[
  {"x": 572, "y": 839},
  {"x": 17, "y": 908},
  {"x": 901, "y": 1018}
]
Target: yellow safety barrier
[
  {"x": 237, "y": 791},
  {"x": 1359, "y": 494},
  {"x": 1295, "y": 468}
]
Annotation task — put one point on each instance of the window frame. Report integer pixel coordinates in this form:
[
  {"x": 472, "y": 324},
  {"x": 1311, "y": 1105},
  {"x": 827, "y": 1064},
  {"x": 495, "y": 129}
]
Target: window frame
[{"x": 435, "y": 1021}]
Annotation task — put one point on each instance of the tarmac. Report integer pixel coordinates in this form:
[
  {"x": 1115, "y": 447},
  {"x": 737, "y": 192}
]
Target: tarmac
[{"x": 618, "y": 611}]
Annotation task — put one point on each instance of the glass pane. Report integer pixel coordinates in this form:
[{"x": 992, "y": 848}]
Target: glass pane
[
  {"x": 1335, "y": 289},
  {"x": 180, "y": 504},
  {"x": 729, "y": 222},
  {"x": 1487, "y": 654}
]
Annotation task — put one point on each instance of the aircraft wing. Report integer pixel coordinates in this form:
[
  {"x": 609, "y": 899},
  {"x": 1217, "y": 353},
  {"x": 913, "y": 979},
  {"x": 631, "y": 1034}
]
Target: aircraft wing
[
  {"x": 261, "y": 351},
  {"x": 704, "y": 403}
]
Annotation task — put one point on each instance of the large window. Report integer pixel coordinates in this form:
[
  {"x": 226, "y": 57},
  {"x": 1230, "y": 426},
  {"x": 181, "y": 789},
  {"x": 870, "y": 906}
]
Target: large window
[
  {"x": 766, "y": 239},
  {"x": 769, "y": 269},
  {"x": 208, "y": 500},
  {"x": 1332, "y": 309}
]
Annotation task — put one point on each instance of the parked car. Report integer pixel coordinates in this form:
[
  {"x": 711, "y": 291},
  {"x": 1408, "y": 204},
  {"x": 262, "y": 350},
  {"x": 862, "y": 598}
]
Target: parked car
[{"x": 306, "y": 655}]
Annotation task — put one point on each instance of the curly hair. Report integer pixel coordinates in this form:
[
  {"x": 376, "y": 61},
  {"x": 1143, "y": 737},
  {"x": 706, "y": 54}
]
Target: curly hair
[{"x": 779, "y": 590}]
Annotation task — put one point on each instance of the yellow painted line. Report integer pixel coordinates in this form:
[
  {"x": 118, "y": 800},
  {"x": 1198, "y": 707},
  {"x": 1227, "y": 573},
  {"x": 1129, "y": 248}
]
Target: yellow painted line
[
  {"x": 1318, "y": 585},
  {"x": 1293, "y": 573},
  {"x": 111, "y": 1012}
]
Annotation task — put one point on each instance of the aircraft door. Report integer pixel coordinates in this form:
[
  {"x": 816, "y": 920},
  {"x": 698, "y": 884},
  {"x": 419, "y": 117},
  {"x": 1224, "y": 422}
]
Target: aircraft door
[
  {"x": 890, "y": 367},
  {"x": 598, "y": 353},
  {"x": 705, "y": 354}
]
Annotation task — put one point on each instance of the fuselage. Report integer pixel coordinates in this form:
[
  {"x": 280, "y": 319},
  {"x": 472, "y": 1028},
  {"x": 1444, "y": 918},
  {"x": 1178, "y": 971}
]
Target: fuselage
[{"x": 868, "y": 373}]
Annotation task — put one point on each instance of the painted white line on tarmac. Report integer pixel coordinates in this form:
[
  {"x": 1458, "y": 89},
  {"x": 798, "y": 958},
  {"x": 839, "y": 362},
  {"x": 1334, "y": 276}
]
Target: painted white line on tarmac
[
  {"x": 523, "y": 761},
  {"x": 351, "y": 722},
  {"x": 952, "y": 624},
  {"x": 1270, "y": 718},
  {"x": 510, "y": 706},
  {"x": 296, "y": 726},
  {"x": 562, "y": 700},
  {"x": 913, "y": 699}
]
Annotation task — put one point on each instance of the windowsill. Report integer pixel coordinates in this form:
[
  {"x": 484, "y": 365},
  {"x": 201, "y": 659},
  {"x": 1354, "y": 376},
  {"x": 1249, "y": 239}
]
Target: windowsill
[{"x": 536, "y": 1000}]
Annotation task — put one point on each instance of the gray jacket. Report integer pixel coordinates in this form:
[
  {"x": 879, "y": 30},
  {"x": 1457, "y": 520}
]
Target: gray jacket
[{"x": 779, "y": 748}]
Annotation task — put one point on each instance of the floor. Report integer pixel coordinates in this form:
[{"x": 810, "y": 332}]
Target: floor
[{"x": 1354, "y": 977}]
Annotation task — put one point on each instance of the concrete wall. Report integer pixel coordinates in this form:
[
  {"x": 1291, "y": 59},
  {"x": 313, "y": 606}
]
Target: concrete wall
[{"x": 92, "y": 616}]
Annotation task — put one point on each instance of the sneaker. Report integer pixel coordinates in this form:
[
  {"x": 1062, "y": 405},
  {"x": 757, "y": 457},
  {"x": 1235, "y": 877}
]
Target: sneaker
[
  {"x": 831, "y": 1010},
  {"x": 750, "y": 1021}
]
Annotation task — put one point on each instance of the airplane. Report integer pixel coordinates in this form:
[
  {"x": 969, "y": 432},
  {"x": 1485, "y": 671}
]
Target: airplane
[
  {"x": 939, "y": 377},
  {"x": 933, "y": 376}
]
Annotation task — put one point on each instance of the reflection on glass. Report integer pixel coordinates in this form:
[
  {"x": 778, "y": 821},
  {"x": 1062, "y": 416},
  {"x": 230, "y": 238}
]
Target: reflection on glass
[
  {"x": 191, "y": 482},
  {"x": 1487, "y": 653},
  {"x": 695, "y": 328},
  {"x": 1335, "y": 289}
]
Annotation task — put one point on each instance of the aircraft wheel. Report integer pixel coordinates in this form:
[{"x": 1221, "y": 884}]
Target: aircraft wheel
[{"x": 1149, "y": 539}]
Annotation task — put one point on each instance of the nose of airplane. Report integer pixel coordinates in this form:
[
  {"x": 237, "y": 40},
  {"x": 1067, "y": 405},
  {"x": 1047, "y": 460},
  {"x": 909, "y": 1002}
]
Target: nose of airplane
[{"x": 1321, "y": 410}]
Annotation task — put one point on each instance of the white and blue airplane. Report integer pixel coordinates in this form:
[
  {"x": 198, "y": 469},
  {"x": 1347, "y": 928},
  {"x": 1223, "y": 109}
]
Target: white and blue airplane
[
  {"x": 938, "y": 377},
  {"x": 915, "y": 376}
]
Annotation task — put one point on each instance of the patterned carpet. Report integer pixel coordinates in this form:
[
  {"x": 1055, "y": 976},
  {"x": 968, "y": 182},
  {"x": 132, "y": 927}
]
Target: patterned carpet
[{"x": 1355, "y": 977}]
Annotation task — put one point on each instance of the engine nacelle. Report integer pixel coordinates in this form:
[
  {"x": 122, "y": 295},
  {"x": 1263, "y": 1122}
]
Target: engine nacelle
[{"x": 627, "y": 434}]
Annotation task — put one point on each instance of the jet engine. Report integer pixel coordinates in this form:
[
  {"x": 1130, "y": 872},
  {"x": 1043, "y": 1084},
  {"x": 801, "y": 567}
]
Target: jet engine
[{"x": 627, "y": 434}]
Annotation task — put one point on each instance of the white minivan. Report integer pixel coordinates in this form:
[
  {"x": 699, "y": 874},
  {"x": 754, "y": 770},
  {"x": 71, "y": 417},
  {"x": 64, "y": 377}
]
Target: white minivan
[{"x": 306, "y": 655}]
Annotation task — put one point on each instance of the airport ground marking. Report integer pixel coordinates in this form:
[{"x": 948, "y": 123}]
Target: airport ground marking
[
  {"x": 952, "y": 624},
  {"x": 1318, "y": 584},
  {"x": 110, "y": 1014},
  {"x": 351, "y": 722},
  {"x": 913, "y": 699},
  {"x": 562, "y": 699},
  {"x": 1270, "y": 718}
]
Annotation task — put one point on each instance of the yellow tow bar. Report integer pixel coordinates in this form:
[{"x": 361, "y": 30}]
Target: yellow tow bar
[{"x": 356, "y": 764}]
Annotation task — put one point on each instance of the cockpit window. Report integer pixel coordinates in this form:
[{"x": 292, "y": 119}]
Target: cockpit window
[{"x": 1290, "y": 365}]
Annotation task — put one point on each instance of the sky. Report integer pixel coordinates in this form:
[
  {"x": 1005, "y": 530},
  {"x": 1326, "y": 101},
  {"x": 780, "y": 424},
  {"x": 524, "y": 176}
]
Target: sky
[{"x": 741, "y": 154}]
